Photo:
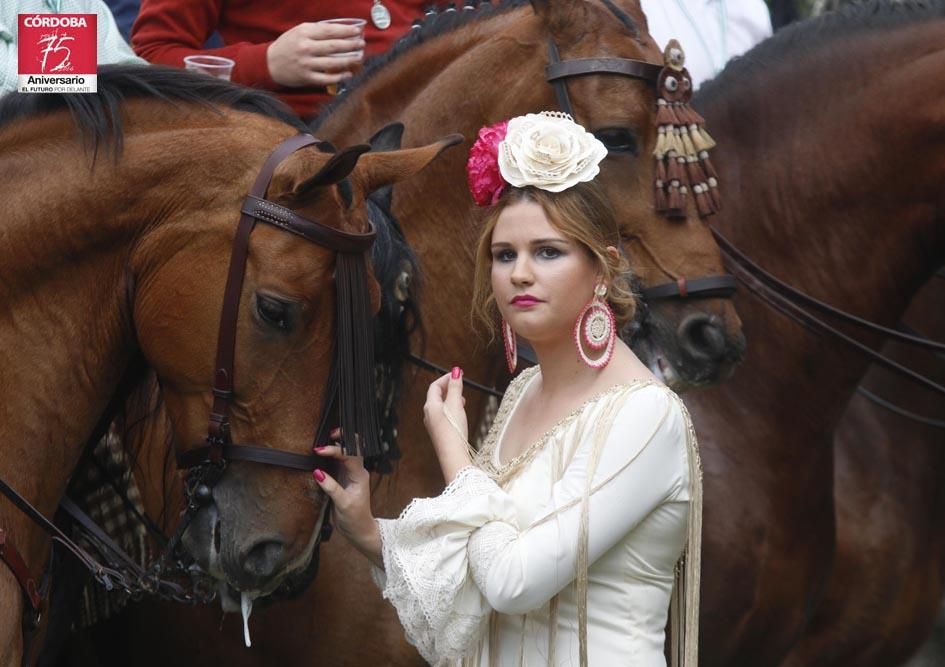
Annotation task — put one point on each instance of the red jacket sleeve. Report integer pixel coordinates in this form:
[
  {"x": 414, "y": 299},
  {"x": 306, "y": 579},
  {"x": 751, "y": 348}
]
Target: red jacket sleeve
[{"x": 167, "y": 30}]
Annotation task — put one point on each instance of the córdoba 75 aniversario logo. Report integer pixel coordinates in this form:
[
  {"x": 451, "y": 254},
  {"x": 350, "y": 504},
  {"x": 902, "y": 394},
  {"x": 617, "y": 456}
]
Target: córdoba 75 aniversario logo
[{"x": 57, "y": 53}]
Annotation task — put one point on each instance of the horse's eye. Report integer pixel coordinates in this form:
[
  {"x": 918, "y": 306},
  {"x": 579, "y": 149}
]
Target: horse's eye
[
  {"x": 617, "y": 139},
  {"x": 275, "y": 313}
]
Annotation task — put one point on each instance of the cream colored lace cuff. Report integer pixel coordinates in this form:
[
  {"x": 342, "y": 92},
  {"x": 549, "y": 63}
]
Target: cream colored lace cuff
[{"x": 426, "y": 566}]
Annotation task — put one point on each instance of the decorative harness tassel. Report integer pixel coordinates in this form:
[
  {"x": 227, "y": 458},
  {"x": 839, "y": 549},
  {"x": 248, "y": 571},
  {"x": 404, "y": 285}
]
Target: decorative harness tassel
[{"x": 682, "y": 145}]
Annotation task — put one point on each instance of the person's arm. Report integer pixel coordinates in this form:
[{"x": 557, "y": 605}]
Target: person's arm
[
  {"x": 168, "y": 30},
  {"x": 643, "y": 463},
  {"x": 444, "y": 415},
  {"x": 352, "y": 502},
  {"x": 421, "y": 558}
]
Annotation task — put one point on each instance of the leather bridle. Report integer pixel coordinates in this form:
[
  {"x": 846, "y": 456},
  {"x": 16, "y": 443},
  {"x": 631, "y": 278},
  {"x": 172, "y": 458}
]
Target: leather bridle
[
  {"x": 219, "y": 447},
  {"x": 801, "y": 307},
  {"x": 557, "y": 73}
]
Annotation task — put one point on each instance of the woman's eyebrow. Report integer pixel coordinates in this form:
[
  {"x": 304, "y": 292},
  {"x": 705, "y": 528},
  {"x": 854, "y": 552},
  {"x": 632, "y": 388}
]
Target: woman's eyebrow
[{"x": 553, "y": 239}]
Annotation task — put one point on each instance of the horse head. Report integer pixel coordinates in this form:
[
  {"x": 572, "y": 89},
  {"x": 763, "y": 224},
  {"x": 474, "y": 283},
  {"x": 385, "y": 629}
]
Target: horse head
[
  {"x": 689, "y": 337},
  {"x": 259, "y": 522}
]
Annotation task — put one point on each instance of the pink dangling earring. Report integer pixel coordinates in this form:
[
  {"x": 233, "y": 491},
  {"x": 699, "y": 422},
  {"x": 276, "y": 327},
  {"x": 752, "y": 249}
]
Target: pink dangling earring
[
  {"x": 596, "y": 329},
  {"x": 511, "y": 346}
]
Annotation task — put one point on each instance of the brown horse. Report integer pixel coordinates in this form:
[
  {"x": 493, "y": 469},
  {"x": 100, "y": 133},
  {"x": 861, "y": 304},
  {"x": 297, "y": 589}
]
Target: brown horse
[
  {"x": 824, "y": 120},
  {"x": 104, "y": 258},
  {"x": 767, "y": 435},
  {"x": 888, "y": 576},
  {"x": 427, "y": 82}
]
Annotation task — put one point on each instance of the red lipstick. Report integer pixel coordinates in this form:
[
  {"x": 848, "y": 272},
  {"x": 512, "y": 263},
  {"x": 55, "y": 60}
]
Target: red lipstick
[{"x": 525, "y": 301}]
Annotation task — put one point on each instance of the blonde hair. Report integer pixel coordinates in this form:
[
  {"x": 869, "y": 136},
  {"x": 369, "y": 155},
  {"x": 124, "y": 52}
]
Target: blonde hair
[{"x": 583, "y": 214}]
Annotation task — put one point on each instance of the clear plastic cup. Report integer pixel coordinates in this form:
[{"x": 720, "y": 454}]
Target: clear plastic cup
[
  {"x": 358, "y": 23},
  {"x": 221, "y": 68}
]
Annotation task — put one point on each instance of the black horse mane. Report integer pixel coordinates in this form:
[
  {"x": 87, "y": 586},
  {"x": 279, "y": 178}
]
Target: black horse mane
[
  {"x": 396, "y": 321},
  {"x": 848, "y": 21},
  {"x": 434, "y": 24},
  {"x": 98, "y": 116}
]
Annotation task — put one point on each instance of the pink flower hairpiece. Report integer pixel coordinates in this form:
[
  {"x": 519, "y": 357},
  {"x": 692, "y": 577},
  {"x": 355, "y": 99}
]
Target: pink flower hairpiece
[{"x": 482, "y": 169}]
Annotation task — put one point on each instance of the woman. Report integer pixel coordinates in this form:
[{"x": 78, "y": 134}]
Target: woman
[{"x": 558, "y": 542}]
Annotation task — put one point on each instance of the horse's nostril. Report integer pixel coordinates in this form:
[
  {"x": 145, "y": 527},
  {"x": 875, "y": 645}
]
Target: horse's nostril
[
  {"x": 264, "y": 559},
  {"x": 702, "y": 337}
]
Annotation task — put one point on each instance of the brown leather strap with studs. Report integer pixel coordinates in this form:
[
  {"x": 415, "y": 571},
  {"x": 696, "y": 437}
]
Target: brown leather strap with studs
[{"x": 287, "y": 219}]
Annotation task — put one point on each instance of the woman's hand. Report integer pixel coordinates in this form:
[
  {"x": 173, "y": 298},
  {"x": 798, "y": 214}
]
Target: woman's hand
[
  {"x": 444, "y": 415},
  {"x": 351, "y": 500}
]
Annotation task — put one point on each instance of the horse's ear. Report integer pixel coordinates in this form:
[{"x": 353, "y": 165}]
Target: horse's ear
[
  {"x": 336, "y": 169},
  {"x": 376, "y": 170},
  {"x": 388, "y": 138},
  {"x": 564, "y": 19},
  {"x": 292, "y": 181}
]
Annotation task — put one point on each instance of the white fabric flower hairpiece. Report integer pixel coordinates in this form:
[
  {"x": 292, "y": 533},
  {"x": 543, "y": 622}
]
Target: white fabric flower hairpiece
[{"x": 548, "y": 150}]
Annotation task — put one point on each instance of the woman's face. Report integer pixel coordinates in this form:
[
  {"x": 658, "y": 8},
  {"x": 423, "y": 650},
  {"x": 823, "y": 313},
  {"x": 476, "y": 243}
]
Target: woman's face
[{"x": 541, "y": 279}]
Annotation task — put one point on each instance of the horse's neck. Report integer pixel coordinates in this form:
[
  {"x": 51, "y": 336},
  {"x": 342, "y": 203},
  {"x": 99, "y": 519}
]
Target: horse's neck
[
  {"x": 63, "y": 332},
  {"x": 824, "y": 162},
  {"x": 412, "y": 87},
  {"x": 832, "y": 171},
  {"x": 66, "y": 330}
]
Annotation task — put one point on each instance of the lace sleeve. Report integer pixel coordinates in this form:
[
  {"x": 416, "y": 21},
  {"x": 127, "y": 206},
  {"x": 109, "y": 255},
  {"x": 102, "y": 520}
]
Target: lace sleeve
[{"x": 426, "y": 567}]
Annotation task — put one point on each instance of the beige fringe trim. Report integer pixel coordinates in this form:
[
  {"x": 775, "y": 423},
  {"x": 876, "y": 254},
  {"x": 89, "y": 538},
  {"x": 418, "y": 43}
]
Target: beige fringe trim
[{"x": 684, "y": 605}]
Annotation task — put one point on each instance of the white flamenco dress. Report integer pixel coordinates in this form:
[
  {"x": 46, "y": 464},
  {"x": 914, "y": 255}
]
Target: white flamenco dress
[{"x": 567, "y": 554}]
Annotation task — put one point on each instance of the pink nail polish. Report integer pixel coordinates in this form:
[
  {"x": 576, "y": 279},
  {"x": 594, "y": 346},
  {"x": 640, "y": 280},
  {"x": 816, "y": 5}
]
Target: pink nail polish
[
  {"x": 318, "y": 475},
  {"x": 456, "y": 372},
  {"x": 319, "y": 448}
]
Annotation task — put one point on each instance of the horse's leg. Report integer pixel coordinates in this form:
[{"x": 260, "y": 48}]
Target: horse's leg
[
  {"x": 768, "y": 527},
  {"x": 889, "y": 571}
]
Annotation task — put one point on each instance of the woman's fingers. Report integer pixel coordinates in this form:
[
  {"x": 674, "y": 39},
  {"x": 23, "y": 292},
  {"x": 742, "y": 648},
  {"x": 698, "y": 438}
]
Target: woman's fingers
[
  {"x": 353, "y": 465},
  {"x": 454, "y": 388},
  {"x": 437, "y": 390},
  {"x": 330, "y": 451},
  {"x": 328, "y": 484}
]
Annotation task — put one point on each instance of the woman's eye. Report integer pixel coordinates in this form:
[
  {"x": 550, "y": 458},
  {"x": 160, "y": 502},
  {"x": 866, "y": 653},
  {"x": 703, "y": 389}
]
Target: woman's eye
[
  {"x": 617, "y": 139},
  {"x": 273, "y": 312},
  {"x": 548, "y": 252},
  {"x": 504, "y": 256}
]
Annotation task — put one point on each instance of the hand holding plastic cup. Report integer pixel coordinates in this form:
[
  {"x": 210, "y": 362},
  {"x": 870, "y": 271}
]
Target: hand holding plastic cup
[
  {"x": 359, "y": 53},
  {"x": 216, "y": 66}
]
